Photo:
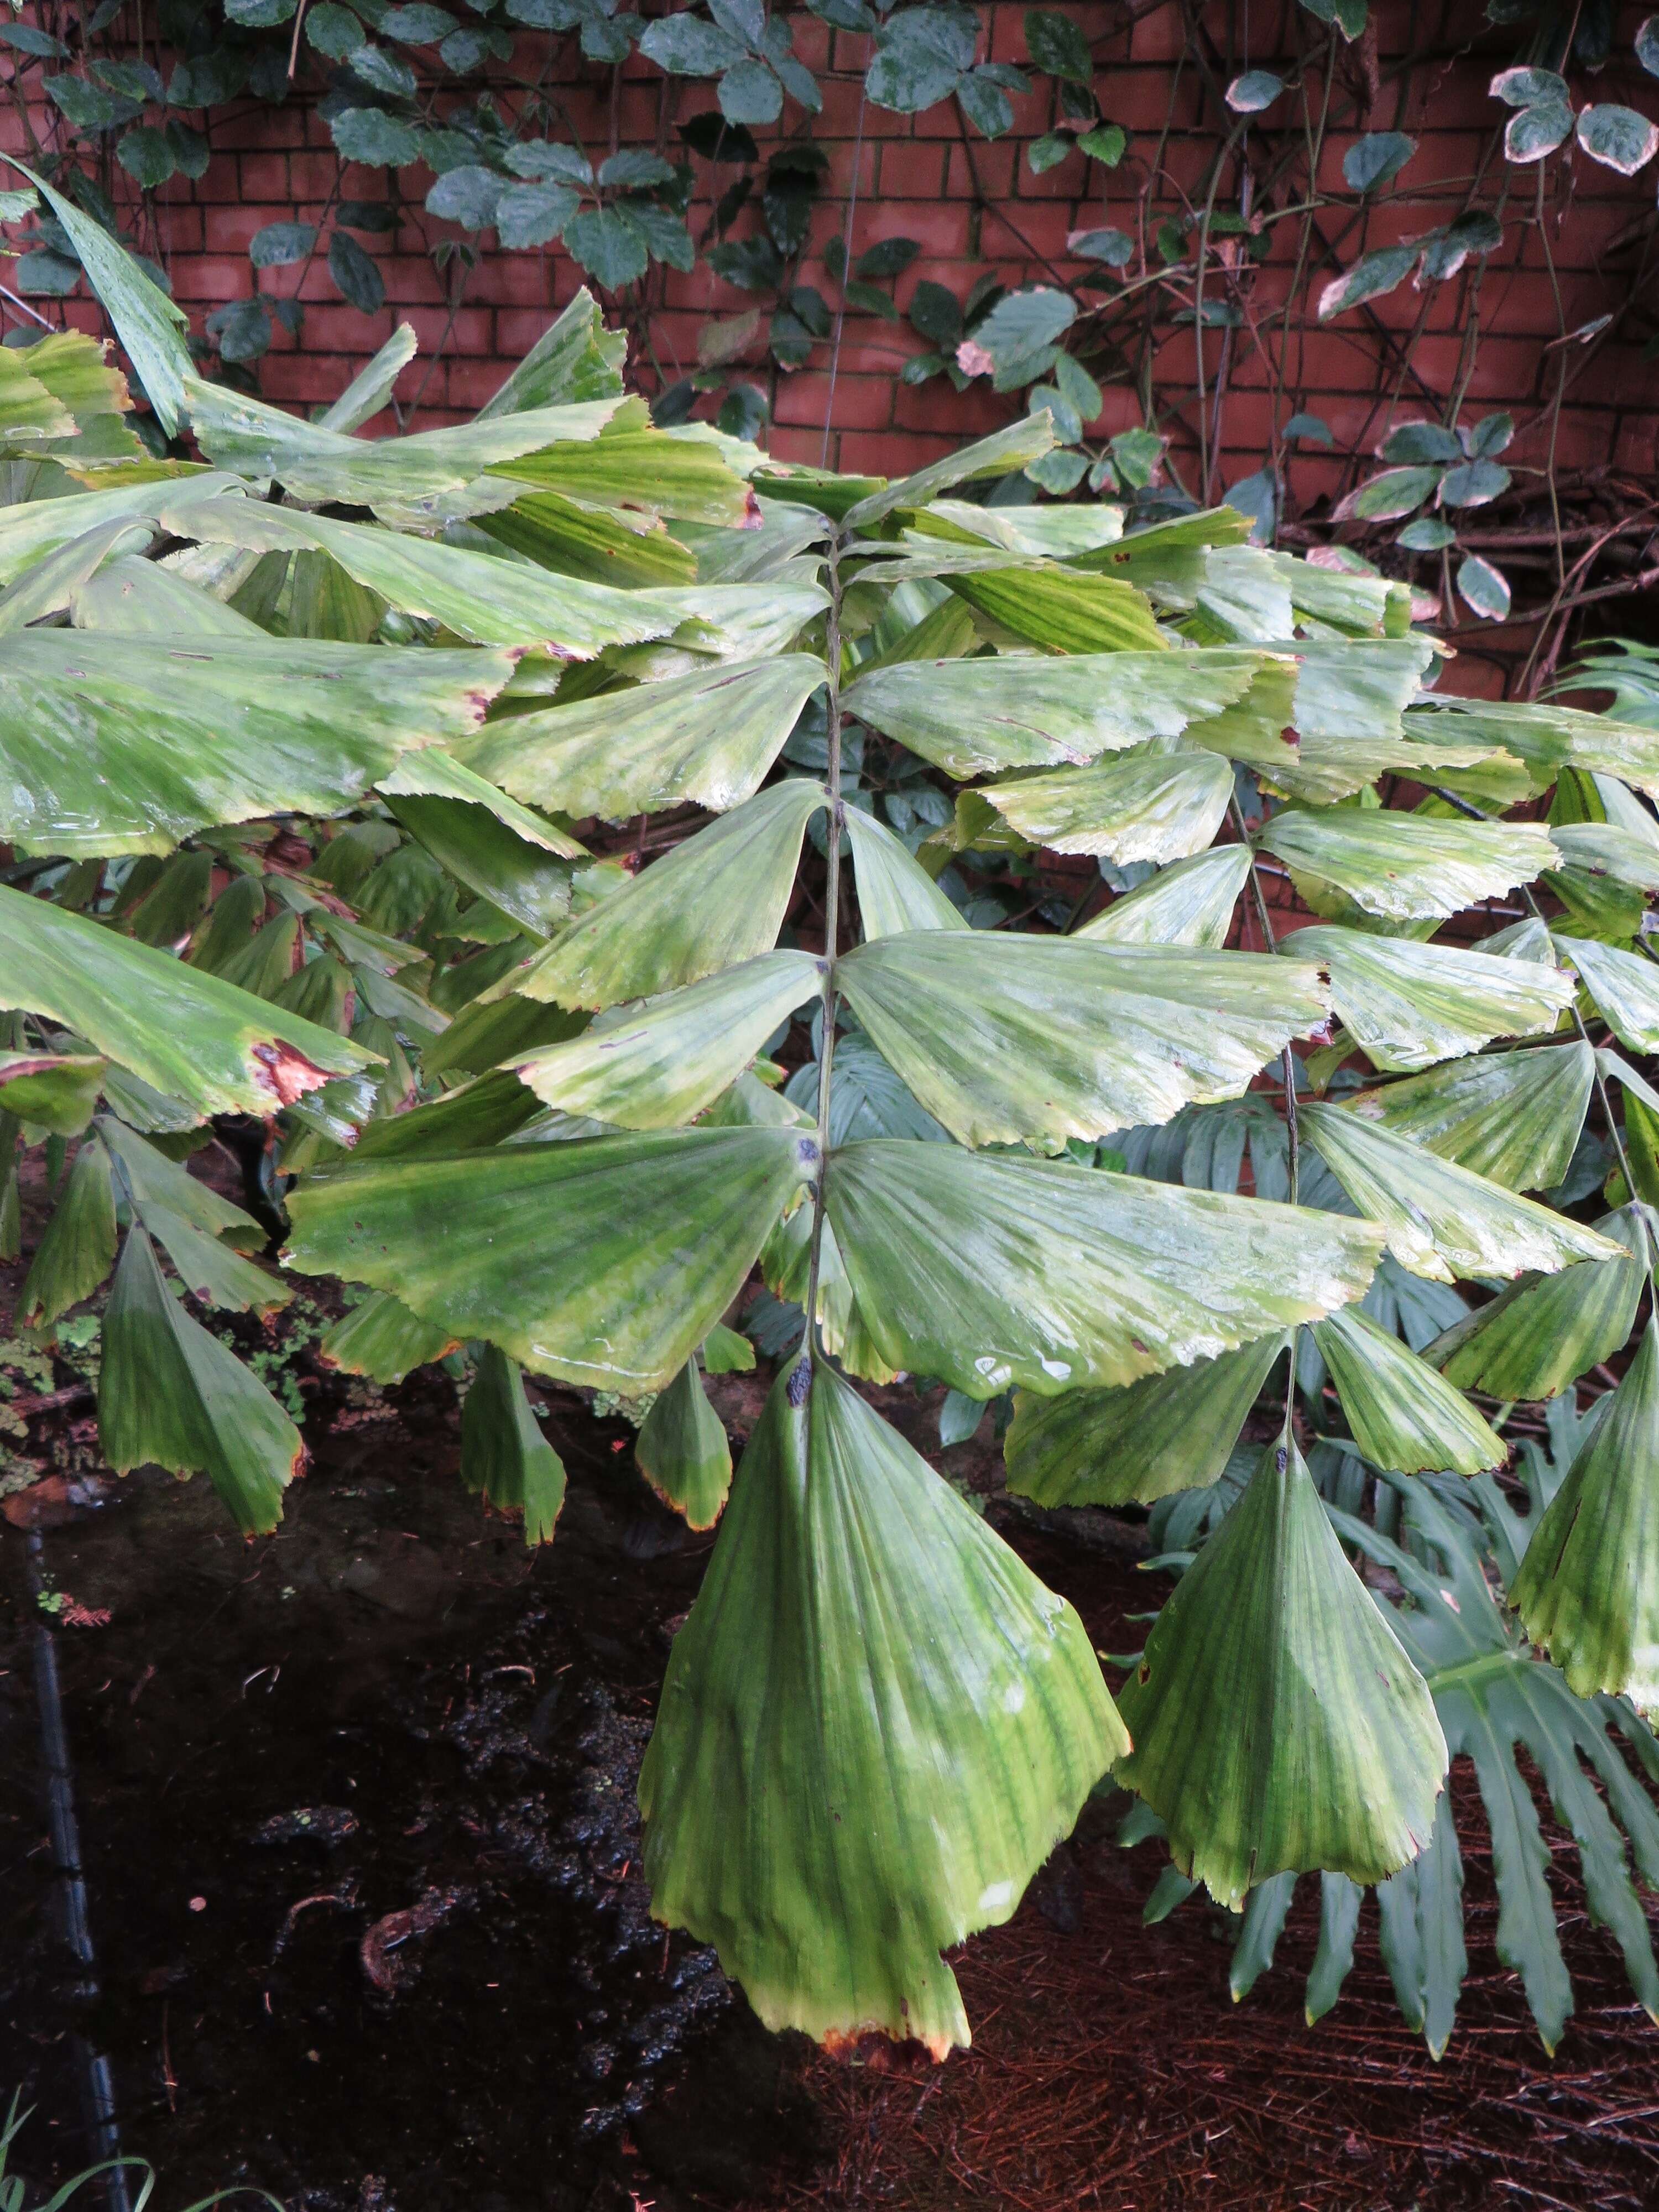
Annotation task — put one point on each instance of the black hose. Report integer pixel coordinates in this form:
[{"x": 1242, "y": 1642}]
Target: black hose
[{"x": 93, "y": 2078}]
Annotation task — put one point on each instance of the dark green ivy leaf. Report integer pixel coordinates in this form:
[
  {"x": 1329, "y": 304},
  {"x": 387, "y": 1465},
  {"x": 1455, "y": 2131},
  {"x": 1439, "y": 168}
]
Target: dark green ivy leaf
[{"x": 357, "y": 276}]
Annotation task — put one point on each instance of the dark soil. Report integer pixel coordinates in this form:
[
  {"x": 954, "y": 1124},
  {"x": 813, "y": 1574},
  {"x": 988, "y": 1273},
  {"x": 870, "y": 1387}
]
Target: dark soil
[{"x": 356, "y": 1806}]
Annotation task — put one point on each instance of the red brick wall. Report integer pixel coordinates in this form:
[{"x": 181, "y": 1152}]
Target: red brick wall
[{"x": 975, "y": 206}]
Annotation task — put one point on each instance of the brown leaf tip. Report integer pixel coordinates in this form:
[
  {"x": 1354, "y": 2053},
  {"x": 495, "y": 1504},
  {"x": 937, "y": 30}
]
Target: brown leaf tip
[{"x": 285, "y": 1071}]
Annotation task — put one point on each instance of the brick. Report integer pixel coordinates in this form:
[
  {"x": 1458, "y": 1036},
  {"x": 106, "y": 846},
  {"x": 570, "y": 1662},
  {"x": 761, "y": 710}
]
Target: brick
[
  {"x": 912, "y": 171},
  {"x": 305, "y": 377},
  {"x": 861, "y": 402},
  {"x": 213, "y": 278},
  {"x": 230, "y": 230},
  {"x": 262, "y": 178}
]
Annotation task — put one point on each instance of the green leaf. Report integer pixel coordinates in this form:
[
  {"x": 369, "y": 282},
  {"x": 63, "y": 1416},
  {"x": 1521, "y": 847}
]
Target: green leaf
[
  {"x": 149, "y": 326},
  {"x": 1403, "y": 867},
  {"x": 610, "y": 247},
  {"x": 985, "y": 1271},
  {"x": 895, "y": 894},
  {"x": 683, "y": 1452},
  {"x": 1004, "y": 453},
  {"x": 1057, "y": 43},
  {"x": 372, "y": 137},
  {"x": 1167, "y": 1432},
  {"x": 716, "y": 899},
  {"x": 1408, "y": 1005},
  {"x": 971, "y": 717},
  {"x": 1376, "y": 159},
  {"x": 1544, "y": 1331},
  {"x": 1421, "y": 1935},
  {"x": 1155, "y": 806},
  {"x": 280, "y": 245},
  {"x": 186, "y": 1033},
  {"x": 1589, "y": 1586},
  {"x": 1608, "y": 849},
  {"x": 1106, "y": 143},
  {"x": 1511, "y": 1117},
  {"x": 1063, "y": 612},
  {"x": 1369, "y": 278},
  {"x": 1402, "y": 1414},
  {"x": 1549, "y": 738},
  {"x": 380, "y": 1337},
  {"x": 118, "y": 744},
  {"x": 1190, "y": 903},
  {"x": 921, "y": 52},
  {"x": 605, "y": 1260},
  {"x": 1256, "y": 90},
  {"x": 77, "y": 1246},
  {"x": 1442, "y": 1221},
  {"x": 1279, "y": 1725},
  {"x": 1624, "y": 987},
  {"x": 1618, "y": 137},
  {"x": 480, "y": 597},
  {"x": 686, "y": 45},
  {"x": 1005, "y": 1036},
  {"x": 710, "y": 736},
  {"x": 466, "y": 196},
  {"x": 1494, "y": 1700},
  {"x": 1482, "y": 586},
  {"x": 333, "y": 30},
  {"x": 875, "y": 1726},
  {"x": 497, "y": 848},
  {"x": 575, "y": 359},
  {"x": 171, "y": 1394},
  {"x": 504, "y": 1455},
  {"x": 55, "y": 1091},
  {"x": 533, "y": 214},
  {"x": 659, "y": 1064},
  {"x": 158, "y": 1185},
  {"x": 147, "y": 155}
]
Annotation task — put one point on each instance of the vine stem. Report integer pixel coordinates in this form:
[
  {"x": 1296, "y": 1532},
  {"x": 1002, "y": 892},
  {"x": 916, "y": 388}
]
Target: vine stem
[{"x": 831, "y": 934}]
